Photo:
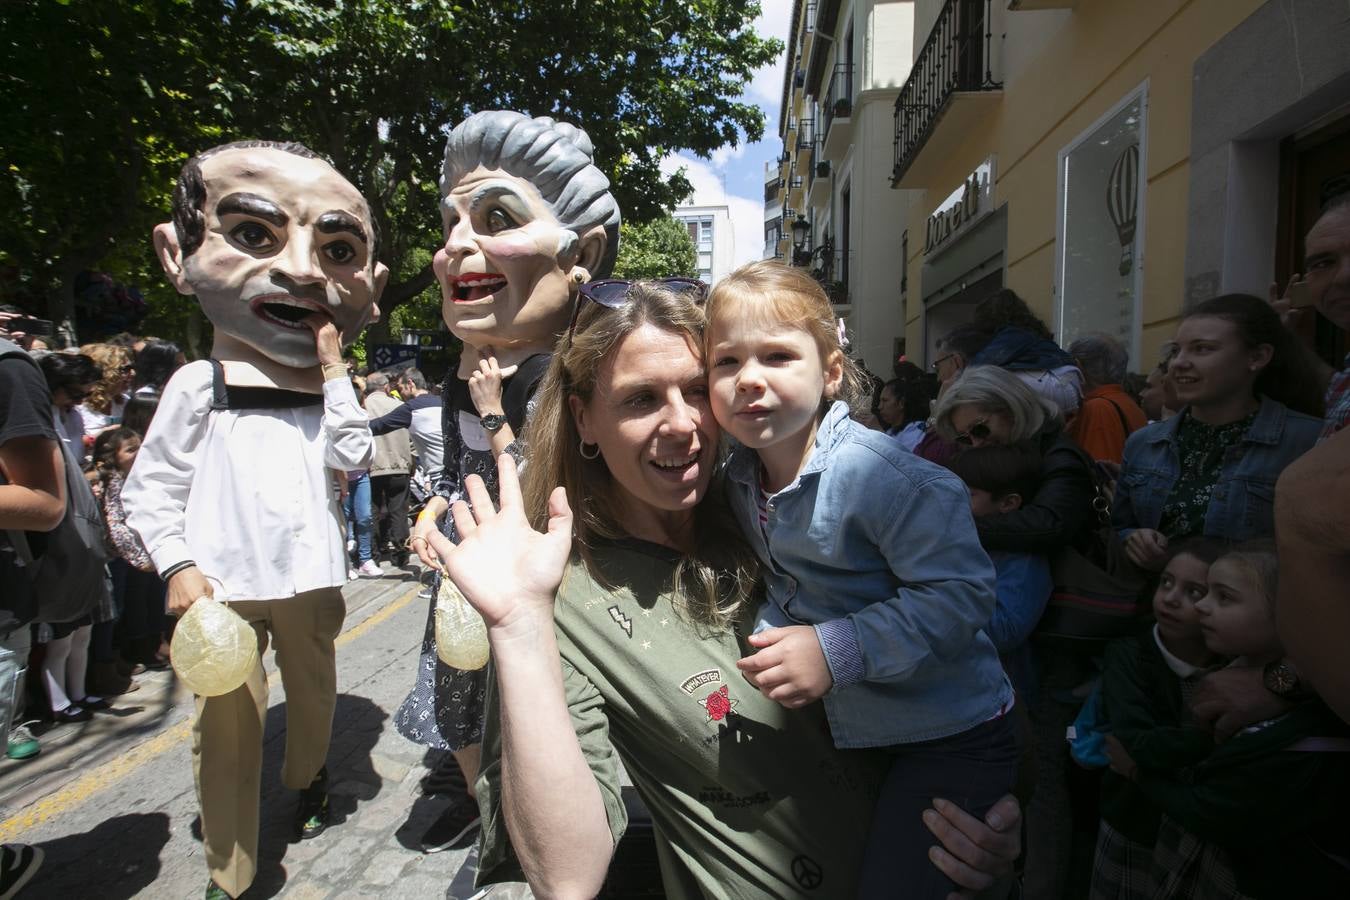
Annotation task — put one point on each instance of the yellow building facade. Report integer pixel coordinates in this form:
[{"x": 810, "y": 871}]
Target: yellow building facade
[{"x": 1113, "y": 161}]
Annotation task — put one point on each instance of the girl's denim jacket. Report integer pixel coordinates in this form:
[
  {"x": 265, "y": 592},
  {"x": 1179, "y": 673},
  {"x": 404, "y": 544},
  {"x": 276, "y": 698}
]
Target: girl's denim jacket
[
  {"x": 877, "y": 549},
  {"x": 1242, "y": 505}
]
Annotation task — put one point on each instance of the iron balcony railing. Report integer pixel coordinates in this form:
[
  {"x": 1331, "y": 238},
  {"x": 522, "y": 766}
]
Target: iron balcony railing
[
  {"x": 956, "y": 57},
  {"x": 771, "y": 189},
  {"x": 839, "y": 96},
  {"x": 805, "y": 134},
  {"x": 819, "y": 168}
]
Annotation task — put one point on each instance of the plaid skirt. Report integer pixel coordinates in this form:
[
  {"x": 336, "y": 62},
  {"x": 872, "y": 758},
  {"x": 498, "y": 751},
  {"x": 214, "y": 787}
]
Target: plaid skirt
[
  {"x": 1122, "y": 869},
  {"x": 1186, "y": 866}
]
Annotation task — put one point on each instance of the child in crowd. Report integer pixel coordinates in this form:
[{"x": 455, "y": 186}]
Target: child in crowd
[
  {"x": 877, "y": 582},
  {"x": 1261, "y": 816},
  {"x": 1000, "y": 477},
  {"x": 137, "y": 588},
  {"x": 1146, "y": 685}
]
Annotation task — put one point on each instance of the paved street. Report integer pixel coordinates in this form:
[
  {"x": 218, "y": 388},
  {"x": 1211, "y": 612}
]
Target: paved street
[{"x": 112, "y": 802}]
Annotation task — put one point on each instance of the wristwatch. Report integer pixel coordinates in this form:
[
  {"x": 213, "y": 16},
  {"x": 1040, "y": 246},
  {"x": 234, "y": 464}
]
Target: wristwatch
[
  {"x": 492, "y": 422},
  {"x": 1281, "y": 679}
]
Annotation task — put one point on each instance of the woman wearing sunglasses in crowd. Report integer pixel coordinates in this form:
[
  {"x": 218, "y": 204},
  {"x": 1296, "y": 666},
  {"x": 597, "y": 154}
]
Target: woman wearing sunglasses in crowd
[
  {"x": 990, "y": 405},
  {"x": 615, "y": 635}
]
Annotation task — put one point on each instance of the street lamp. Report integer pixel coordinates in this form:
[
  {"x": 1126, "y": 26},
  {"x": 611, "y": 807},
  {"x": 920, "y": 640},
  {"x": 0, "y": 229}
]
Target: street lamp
[{"x": 801, "y": 230}]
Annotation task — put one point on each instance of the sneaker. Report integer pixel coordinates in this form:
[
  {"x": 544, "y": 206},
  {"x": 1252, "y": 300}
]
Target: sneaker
[
  {"x": 215, "y": 892},
  {"x": 455, "y": 828},
  {"x": 18, "y": 864},
  {"x": 351, "y": 545},
  {"x": 353, "y": 574},
  {"x": 22, "y": 744},
  {"x": 424, "y": 593},
  {"x": 311, "y": 818},
  {"x": 369, "y": 569}
]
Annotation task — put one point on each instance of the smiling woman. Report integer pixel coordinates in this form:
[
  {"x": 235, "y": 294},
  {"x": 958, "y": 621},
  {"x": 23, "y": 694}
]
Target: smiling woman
[{"x": 1252, "y": 406}]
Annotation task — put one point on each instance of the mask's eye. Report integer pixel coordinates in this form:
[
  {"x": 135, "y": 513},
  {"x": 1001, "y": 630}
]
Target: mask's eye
[
  {"x": 340, "y": 252},
  {"x": 253, "y": 236},
  {"x": 499, "y": 220}
]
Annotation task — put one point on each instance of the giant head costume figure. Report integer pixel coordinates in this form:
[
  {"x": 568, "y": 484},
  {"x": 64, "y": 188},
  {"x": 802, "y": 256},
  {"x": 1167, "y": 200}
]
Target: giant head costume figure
[
  {"x": 527, "y": 219},
  {"x": 276, "y": 245}
]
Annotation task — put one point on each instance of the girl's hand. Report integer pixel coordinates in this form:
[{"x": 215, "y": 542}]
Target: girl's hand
[
  {"x": 485, "y": 385},
  {"x": 1121, "y": 761},
  {"x": 508, "y": 571},
  {"x": 790, "y": 667},
  {"x": 1146, "y": 548}
]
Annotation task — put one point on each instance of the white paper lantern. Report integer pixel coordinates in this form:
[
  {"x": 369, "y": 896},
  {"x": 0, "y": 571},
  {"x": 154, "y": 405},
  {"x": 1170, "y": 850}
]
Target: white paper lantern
[{"x": 213, "y": 649}]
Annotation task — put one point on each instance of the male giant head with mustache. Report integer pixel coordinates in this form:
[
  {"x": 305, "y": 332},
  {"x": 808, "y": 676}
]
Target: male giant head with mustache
[{"x": 280, "y": 251}]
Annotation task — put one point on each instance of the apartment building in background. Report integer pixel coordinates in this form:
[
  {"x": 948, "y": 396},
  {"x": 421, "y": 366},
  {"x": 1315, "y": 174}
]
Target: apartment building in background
[
  {"x": 846, "y": 63},
  {"x": 710, "y": 228},
  {"x": 1111, "y": 162},
  {"x": 1114, "y": 162}
]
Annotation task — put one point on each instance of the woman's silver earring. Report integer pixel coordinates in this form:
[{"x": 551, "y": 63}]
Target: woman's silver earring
[
  {"x": 585, "y": 455},
  {"x": 579, "y": 278}
]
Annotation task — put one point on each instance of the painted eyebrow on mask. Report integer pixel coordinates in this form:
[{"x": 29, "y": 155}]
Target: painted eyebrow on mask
[
  {"x": 337, "y": 221},
  {"x": 252, "y": 205},
  {"x": 492, "y": 193}
]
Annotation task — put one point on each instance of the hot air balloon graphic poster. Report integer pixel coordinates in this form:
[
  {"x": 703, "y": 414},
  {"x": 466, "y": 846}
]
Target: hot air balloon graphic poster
[{"x": 1122, "y": 202}]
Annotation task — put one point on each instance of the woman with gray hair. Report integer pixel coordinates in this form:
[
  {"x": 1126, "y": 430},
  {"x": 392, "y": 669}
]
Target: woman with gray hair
[
  {"x": 527, "y": 219},
  {"x": 989, "y": 405},
  {"x": 1108, "y": 415}
]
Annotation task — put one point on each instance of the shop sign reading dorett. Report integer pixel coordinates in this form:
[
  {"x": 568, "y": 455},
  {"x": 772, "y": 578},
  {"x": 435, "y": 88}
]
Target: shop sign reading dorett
[{"x": 972, "y": 201}]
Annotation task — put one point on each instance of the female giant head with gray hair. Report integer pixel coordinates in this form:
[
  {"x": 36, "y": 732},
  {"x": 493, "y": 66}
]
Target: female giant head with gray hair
[
  {"x": 527, "y": 219},
  {"x": 990, "y": 405}
]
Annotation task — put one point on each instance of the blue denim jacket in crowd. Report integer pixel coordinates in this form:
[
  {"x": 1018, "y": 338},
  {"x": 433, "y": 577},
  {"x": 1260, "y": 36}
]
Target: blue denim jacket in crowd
[
  {"x": 877, "y": 549},
  {"x": 1242, "y": 505}
]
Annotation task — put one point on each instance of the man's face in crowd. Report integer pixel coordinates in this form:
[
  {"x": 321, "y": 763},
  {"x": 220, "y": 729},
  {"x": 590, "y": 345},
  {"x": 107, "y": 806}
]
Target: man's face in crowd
[
  {"x": 503, "y": 269},
  {"x": 286, "y": 238},
  {"x": 1327, "y": 261}
]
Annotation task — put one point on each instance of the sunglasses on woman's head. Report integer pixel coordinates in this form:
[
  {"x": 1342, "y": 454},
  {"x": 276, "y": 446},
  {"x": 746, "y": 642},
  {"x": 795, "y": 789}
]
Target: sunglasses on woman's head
[
  {"x": 612, "y": 293},
  {"x": 979, "y": 431}
]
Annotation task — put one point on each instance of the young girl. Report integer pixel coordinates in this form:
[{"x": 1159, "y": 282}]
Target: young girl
[
  {"x": 1146, "y": 685},
  {"x": 1263, "y": 814},
  {"x": 878, "y": 586},
  {"x": 137, "y": 589}
]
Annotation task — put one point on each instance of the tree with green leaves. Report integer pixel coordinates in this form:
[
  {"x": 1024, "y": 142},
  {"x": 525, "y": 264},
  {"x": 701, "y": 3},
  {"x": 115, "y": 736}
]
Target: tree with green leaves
[
  {"x": 661, "y": 248},
  {"x": 101, "y": 101}
]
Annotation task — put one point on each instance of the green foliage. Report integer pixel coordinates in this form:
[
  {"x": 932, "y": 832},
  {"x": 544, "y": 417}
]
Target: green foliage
[
  {"x": 101, "y": 101},
  {"x": 661, "y": 248}
]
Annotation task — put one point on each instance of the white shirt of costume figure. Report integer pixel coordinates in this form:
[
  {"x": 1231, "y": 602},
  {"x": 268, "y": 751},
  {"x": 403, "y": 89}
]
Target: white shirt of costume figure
[
  {"x": 286, "y": 237},
  {"x": 505, "y": 268}
]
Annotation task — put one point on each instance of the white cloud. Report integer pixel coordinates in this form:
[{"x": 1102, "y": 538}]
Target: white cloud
[
  {"x": 766, "y": 86},
  {"x": 725, "y": 154},
  {"x": 746, "y": 213}
]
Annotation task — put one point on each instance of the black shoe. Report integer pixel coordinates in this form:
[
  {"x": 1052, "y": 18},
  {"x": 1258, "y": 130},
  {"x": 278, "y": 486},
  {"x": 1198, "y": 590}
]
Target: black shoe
[
  {"x": 18, "y": 864},
  {"x": 454, "y": 830},
  {"x": 312, "y": 817},
  {"x": 446, "y": 778},
  {"x": 72, "y": 713},
  {"x": 95, "y": 704},
  {"x": 400, "y": 559}
]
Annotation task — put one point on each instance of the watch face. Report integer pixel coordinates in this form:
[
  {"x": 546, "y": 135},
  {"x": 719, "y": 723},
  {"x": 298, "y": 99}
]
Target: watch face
[
  {"x": 492, "y": 422},
  {"x": 1281, "y": 679}
]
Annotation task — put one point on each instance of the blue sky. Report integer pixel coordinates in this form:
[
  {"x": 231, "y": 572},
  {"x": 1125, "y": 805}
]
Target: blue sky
[{"x": 735, "y": 175}]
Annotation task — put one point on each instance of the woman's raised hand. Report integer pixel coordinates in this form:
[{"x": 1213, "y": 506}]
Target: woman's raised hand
[{"x": 505, "y": 568}]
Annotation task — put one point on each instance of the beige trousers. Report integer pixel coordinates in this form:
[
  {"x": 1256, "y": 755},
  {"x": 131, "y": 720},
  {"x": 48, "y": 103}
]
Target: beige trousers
[{"x": 227, "y": 734}]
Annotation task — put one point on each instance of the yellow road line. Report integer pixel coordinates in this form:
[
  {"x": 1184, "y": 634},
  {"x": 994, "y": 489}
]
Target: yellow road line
[{"x": 86, "y": 786}]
